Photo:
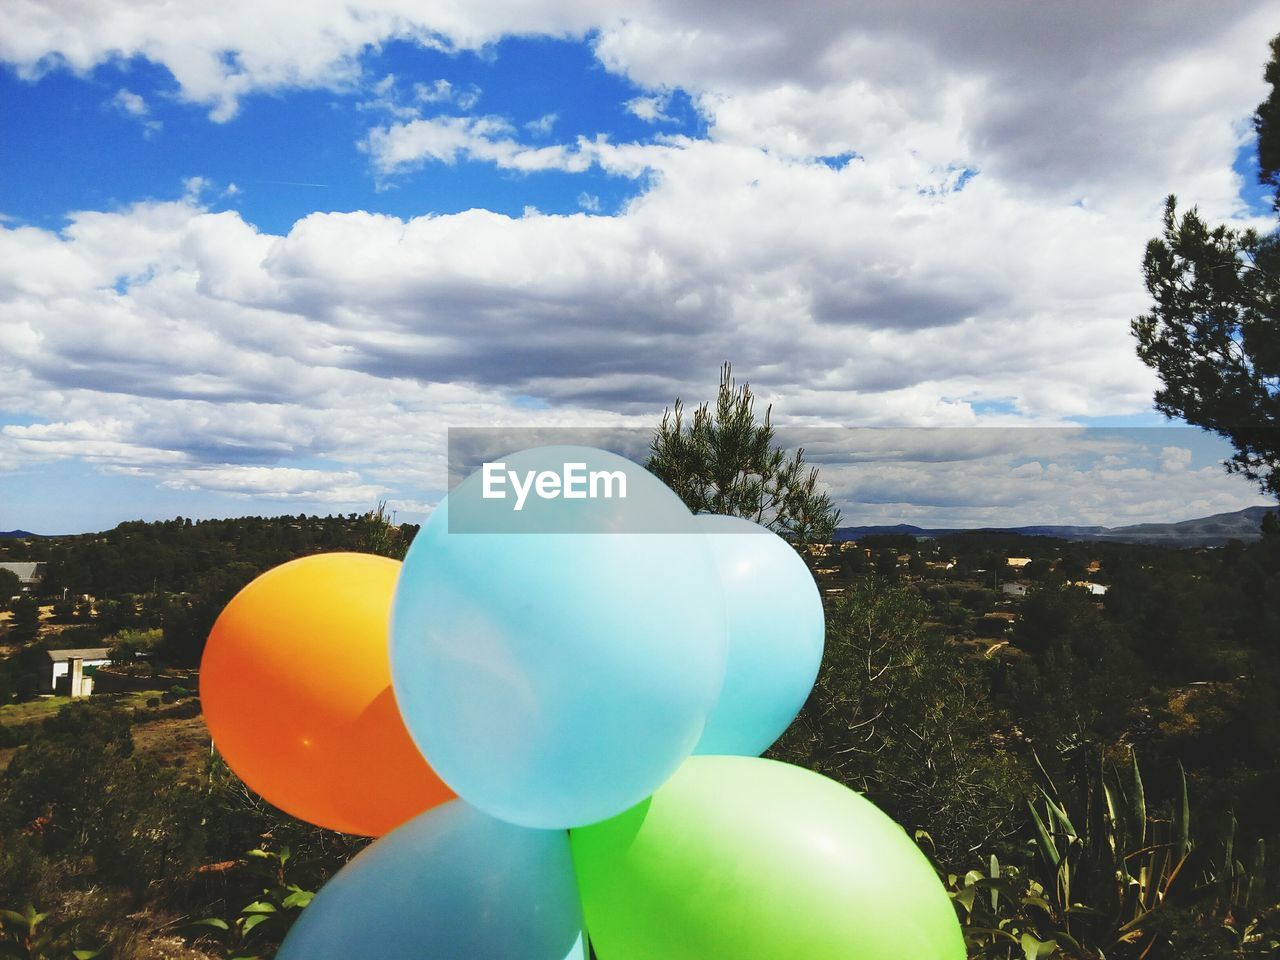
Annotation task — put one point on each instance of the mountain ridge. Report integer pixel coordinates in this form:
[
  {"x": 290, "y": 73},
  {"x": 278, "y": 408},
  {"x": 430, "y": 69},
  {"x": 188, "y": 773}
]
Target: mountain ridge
[{"x": 1211, "y": 531}]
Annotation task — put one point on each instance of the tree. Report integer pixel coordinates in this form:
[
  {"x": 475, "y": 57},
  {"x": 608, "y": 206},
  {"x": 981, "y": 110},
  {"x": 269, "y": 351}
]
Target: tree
[
  {"x": 1213, "y": 333},
  {"x": 26, "y": 619},
  {"x": 1266, "y": 121},
  {"x": 379, "y": 534},
  {"x": 10, "y": 587},
  {"x": 899, "y": 715},
  {"x": 724, "y": 461}
]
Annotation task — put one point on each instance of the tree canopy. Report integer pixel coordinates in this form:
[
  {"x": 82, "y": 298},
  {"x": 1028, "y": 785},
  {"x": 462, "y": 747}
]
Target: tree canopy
[
  {"x": 1213, "y": 332},
  {"x": 724, "y": 460}
]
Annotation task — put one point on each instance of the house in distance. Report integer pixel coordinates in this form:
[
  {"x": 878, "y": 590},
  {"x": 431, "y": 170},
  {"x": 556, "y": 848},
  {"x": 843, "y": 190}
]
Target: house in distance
[
  {"x": 28, "y": 572},
  {"x": 70, "y": 672}
]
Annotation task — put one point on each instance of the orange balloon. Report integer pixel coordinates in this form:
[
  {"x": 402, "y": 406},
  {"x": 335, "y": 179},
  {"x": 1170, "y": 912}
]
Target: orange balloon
[{"x": 296, "y": 690}]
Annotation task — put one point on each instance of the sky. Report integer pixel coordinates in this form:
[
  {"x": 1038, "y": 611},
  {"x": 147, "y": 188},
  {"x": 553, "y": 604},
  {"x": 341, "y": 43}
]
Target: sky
[{"x": 259, "y": 257}]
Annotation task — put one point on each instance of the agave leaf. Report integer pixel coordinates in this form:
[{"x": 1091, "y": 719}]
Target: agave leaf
[
  {"x": 1060, "y": 815},
  {"x": 1034, "y": 948},
  {"x": 995, "y": 891},
  {"x": 1112, "y": 826},
  {"x": 1048, "y": 849},
  {"x": 1228, "y": 848},
  {"x": 1182, "y": 817},
  {"x": 1138, "y": 803}
]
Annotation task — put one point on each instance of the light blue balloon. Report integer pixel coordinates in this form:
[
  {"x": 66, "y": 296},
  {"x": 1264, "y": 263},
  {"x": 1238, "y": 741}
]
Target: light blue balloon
[
  {"x": 776, "y": 633},
  {"x": 554, "y": 679},
  {"x": 451, "y": 884}
]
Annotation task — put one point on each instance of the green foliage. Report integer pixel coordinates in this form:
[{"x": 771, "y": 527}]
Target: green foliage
[
  {"x": 1113, "y": 878},
  {"x": 25, "y": 935},
  {"x": 380, "y": 535},
  {"x": 1004, "y": 913},
  {"x": 724, "y": 461},
  {"x": 79, "y": 788},
  {"x": 10, "y": 587},
  {"x": 188, "y": 619},
  {"x": 1213, "y": 335},
  {"x": 26, "y": 619},
  {"x": 129, "y": 644},
  {"x": 1266, "y": 121},
  {"x": 1135, "y": 883},
  {"x": 1080, "y": 678},
  {"x": 897, "y": 714},
  {"x": 20, "y": 674},
  {"x": 261, "y": 924}
]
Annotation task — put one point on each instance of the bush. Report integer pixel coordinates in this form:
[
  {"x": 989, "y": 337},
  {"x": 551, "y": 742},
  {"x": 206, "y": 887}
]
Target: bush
[{"x": 897, "y": 714}]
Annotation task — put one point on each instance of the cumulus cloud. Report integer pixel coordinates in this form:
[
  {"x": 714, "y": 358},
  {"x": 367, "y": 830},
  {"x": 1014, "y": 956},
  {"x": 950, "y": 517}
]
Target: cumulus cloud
[
  {"x": 542, "y": 126},
  {"x": 1175, "y": 459},
  {"x": 828, "y": 234},
  {"x": 134, "y": 106},
  {"x": 397, "y": 147},
  {"x": 649, "y": 109}
]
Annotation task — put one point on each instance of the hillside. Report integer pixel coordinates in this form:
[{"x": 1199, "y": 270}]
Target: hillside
[{"x": 1244, "y": 525}]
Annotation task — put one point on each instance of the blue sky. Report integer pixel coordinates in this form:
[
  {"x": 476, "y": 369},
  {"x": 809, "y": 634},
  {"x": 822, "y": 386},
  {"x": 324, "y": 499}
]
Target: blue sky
[
  {"x": 260, "y": 261},
  {"x": 120, "y": 135}
]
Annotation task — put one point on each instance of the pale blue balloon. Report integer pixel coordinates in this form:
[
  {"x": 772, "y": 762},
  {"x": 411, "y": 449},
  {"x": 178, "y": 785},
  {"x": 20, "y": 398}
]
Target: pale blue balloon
[
  {"x": 776, "y": 634},
  {"x": 554, "y": 679},
  {"x": 452, "y": 884}
]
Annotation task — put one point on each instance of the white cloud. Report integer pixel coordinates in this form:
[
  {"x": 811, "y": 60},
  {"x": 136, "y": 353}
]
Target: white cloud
[
  {"x": 276, "y": 483},
  {"x": 184, "y": 343},
  {"x": 135, "y": 107},
  {"x": 542, "y": 126},
  {"x": 403, "y": 146},
  {"x": 650, "y": 109},
  {"x": 130, "y": 103},
  {"x": 439, "y": 92},
  {"x": 1175, "y": 459}
]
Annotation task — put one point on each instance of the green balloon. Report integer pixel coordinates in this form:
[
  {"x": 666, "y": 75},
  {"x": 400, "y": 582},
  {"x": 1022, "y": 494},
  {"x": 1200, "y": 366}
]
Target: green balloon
[{"x": 739, "y": 858}]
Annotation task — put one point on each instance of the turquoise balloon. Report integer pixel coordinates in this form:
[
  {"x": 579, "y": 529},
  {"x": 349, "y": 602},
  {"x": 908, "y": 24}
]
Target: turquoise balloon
[
  {"x": 776, "y": 631},
  {"x": 558, "y": 666},
  {"x": 452, "y": 882}
]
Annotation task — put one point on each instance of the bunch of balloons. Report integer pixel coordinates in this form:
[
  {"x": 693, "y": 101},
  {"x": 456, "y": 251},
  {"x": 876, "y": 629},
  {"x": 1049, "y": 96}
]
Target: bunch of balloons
[{"x": 553, "y": 719}]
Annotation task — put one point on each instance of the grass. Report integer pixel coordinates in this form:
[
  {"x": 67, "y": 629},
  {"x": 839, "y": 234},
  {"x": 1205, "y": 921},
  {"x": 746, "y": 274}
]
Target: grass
[
  {"x": 17, "y": 714},
  {"x": 174, "y": 741}
]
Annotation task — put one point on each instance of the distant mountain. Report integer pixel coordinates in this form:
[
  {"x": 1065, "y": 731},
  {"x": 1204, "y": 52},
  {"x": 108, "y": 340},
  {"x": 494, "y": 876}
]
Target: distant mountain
[
  {"x": 17, "y": 534},
  {"x": 1212, "y": 531}
]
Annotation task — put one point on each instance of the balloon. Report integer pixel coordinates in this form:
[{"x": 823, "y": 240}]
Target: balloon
[
  {"x": 776, "y": 628},
  {"x": 295, "y": 688},
  {"x": 758, "y": 860},
  {"x": 556, "y": 678},
  {"x": 451, "y": 883}
]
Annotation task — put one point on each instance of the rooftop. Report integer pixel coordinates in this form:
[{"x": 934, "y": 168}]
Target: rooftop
[{"x": 80, "y": 653}]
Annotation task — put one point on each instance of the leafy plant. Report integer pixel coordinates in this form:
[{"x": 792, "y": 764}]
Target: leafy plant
[
  {"x": 1111, "y": 879},
  {"x": 1004, "y": 913},
  {"x": 26, "y": 936},
  {"x": 265, "y": 920}
]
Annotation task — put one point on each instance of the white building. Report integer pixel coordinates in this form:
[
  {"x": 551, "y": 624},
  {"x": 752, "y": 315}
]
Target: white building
[
  {"x": 1095, "y": 589},
  {"x": 71, "y": 671}
]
